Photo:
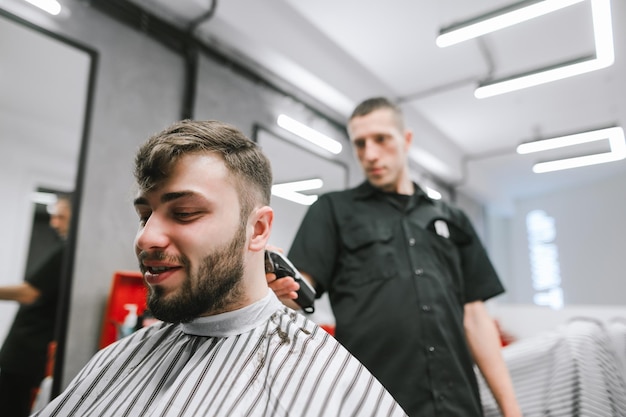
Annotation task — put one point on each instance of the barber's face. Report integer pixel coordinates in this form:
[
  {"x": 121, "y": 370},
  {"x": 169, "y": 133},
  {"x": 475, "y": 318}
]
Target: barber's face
[
  {"x": 191, "y": 241},
  {"x": 60, "y": 217},
  {"x": 381, "y": 148}
]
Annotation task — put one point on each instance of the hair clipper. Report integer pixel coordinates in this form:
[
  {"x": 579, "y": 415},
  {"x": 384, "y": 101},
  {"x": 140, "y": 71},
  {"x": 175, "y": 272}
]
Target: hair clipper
[{"x": 278, "y": 264}]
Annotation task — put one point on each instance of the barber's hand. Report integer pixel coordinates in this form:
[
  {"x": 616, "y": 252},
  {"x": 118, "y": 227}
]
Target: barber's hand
[{"x": 285, "y": 288}]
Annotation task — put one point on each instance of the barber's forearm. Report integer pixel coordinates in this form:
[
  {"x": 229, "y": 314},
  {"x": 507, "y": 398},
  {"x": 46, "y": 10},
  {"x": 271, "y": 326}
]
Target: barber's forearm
[
  {"x": 484, "y": 343},
  {"x": 23, "y": 293}
]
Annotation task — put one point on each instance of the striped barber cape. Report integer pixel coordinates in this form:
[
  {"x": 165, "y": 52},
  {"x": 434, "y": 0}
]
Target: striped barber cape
[
  {"x": 573, "y": 371},
  {"x": 262, "y": 360}
]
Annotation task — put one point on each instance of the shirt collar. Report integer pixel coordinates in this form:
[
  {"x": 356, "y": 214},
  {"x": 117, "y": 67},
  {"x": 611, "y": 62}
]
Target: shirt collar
[
  {"x": 235, "y": 322},
  {"x": 366, "y": 190}
]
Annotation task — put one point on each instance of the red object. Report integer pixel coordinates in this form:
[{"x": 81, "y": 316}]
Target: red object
[
  {"x": 128, "y": 287},
  {"x": 329, "y": 328},
  {"x": 52, "y": 351},
  {"x": 506, "y": 338}
]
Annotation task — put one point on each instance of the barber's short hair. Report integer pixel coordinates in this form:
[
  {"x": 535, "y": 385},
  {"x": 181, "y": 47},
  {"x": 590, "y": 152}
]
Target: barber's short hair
[
  {"x": 376, "y": 103},
  {"x": 246, "y": 162},
  {"x": 63, "y": 196}
]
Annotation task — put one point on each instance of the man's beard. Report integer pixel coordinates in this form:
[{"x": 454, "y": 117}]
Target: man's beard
[{"x": 211, "y": 290}]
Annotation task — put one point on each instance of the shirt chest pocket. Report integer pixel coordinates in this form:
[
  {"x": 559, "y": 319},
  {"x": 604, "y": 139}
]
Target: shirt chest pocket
[{"x": 369, "y": 255}]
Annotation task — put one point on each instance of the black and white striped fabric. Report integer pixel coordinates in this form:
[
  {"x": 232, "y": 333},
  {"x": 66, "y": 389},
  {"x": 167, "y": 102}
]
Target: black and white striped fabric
[
  {"x": 574, "y": 371},
  {"x": 617, "y": 333},
  {"x": 263, "y": 360}
]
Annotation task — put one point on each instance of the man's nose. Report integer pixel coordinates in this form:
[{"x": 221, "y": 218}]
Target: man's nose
[{"x": 152, "y": 235}]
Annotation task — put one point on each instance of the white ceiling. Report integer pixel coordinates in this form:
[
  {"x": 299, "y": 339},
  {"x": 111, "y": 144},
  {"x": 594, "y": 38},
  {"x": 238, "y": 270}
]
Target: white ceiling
[
  {"x": 340, "y": 52},
  {"x": 343, "y": 52}
]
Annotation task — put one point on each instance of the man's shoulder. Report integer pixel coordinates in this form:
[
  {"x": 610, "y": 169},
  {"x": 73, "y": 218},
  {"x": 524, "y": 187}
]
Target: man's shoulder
[
  {"x": 449, "y": 209},
  {"x": 348, "y": 194}
]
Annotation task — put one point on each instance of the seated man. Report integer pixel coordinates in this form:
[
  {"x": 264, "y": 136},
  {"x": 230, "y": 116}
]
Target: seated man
[{"x": 227, "y": 346}]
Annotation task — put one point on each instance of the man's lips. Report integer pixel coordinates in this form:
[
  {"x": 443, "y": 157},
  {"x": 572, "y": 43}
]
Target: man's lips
[
  {"x": 157, "y": 274},
  {"x": 375, "y": 171}
]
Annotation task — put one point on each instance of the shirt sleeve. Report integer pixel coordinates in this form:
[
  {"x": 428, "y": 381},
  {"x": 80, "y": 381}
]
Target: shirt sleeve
[
  {"x": 46, "y": 276},
  {"x": 315, "y": 247},
  {"x": 481, "y": 279}
]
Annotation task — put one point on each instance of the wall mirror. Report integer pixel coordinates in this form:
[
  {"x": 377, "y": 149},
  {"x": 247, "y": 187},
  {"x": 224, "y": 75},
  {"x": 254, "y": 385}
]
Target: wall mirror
[
  {"x": 46, "y": 89},
  {"x": 293, "y": 164}
]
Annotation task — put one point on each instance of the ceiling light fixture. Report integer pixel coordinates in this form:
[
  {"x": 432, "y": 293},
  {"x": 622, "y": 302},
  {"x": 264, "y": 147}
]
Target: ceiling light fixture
[
  {"x": 615, "y": 136},
  {"x": 40, "y": 197},
  {"x": 499, "y": 19},
  {"x": 51, "y": 6},
  {"x": 604, "y": 57},
  {"x": 309, "y": 134},
  {"x": 291, "y": 190}
]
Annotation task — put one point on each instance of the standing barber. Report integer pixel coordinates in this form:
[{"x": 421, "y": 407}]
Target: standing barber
[
  {"x": 24, "y": 353},
  {"x": 407, "y": 278}
]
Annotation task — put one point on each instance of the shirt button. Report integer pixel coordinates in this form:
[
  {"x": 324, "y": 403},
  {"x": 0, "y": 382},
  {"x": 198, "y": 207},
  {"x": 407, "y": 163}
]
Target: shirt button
[
  {"x": 426, "y": 307},
  {"x": 411, "y": 242},
  {"x": 419, "y": 271},
  {"x": 431, "y": 348}
]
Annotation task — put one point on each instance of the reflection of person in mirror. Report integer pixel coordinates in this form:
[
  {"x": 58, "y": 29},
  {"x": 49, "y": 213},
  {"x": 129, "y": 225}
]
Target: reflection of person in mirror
[
  {"x": 24, "y": 352},
  {"x": 406, "y": 277},
  {"x": 226, "y": 345}
]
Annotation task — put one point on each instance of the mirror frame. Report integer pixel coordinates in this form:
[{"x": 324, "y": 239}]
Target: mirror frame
[{"x": 68, "y": 262}]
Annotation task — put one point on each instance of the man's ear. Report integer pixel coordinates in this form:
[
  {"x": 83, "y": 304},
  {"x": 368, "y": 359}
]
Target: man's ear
[
  {"x": 408, "y": 138},
  {"x": 261, "y": 220}
]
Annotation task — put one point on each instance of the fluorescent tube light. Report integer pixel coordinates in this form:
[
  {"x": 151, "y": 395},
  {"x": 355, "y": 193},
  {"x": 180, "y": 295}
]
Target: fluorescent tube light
[
  {"x": 603, "y": 31},
  {"x": 309, "y": 134},
  {"x": 615, "y": 136},
  {"x": 610, "y": 133},
  {"x": 604, "y": 57},
  {"x": 581, "y": 161},
  {"x": 499, "y": 19},
  {"x": 291, "y": 191},
  {"x": 51, "y": 6},
  {"x": 40, "y": 197},
  {"x": 536, "y": 78}
]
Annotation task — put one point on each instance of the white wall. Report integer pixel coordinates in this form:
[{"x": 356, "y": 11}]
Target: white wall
[
  {"x": 40, "y": 138},
  {"x": 590, "y": 237},
  {"x": 523, "y": 321}
]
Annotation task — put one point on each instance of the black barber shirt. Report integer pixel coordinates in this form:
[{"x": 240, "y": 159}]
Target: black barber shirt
[
  {"x": 25, "y": 349},
  {"x": 398, "y": 275}
]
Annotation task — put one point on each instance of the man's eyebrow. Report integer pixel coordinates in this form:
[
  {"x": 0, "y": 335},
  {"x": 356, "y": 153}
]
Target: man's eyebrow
[
  {"x": 167, "y": 197},
  {"x": 140, "y": 201}
]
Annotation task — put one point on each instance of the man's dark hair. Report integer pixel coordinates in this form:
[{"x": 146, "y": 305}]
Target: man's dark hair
[
  {"x": 250, "y": 168},
  {"x": 376, "y": 103}
]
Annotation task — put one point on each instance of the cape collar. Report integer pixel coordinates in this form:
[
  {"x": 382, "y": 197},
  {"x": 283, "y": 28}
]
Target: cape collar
[{"x": 235, "y": 322}]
